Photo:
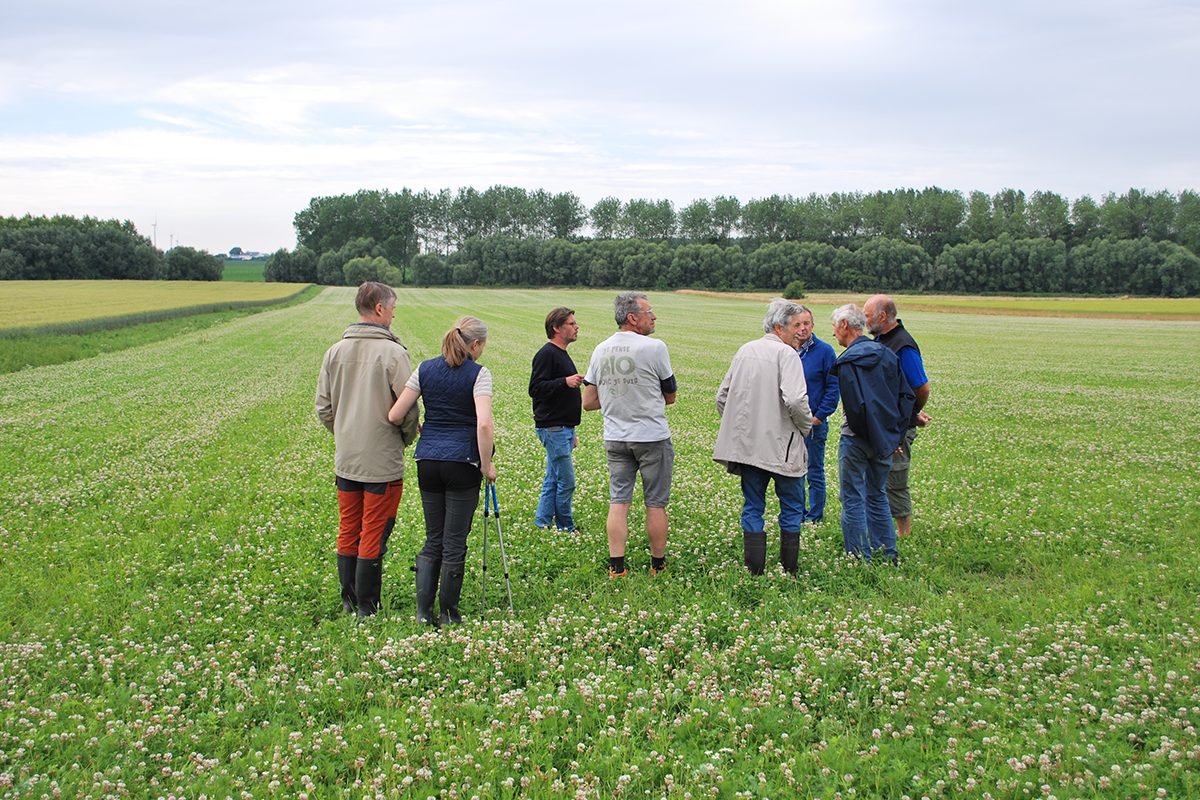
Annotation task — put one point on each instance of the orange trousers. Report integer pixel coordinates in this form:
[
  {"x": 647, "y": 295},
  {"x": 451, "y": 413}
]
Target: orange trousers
[{"x": 368, "y": 514}]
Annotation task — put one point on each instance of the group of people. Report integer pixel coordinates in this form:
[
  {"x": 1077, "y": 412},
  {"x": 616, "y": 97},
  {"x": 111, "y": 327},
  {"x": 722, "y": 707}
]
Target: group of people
[{"x": 774, "y": 403}]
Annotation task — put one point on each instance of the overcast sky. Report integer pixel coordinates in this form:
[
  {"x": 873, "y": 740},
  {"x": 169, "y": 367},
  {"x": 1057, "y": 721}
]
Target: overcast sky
[{"x": 220, "y": 120}]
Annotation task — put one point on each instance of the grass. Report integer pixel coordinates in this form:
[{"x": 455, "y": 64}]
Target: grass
[
  {"x": 1187, "y": 308},
  {"x": 59, "y": 345},
  {"x": 249, "y": 271},
  {"x": 29, "y": 306},
  {"x": 169, "y": 622}
]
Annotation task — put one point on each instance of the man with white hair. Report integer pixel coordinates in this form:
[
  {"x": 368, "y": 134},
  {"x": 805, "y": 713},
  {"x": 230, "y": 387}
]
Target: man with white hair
[
  {"x": 763, "y": 404},
  {"x": 877, "y": 404}
]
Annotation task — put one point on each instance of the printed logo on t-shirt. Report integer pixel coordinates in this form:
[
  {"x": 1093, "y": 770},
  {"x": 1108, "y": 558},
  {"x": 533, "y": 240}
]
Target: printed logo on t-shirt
[{"x": 616, "y": 371}]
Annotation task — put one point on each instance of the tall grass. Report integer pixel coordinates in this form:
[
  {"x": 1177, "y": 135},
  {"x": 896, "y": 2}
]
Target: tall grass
[
  {"x": 32, "y": 306},
  {"x": 57, "y": 344}
]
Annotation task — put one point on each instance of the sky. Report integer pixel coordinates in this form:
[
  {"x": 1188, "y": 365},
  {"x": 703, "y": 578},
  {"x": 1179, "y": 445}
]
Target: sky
[{"x": 210, "y": 124}]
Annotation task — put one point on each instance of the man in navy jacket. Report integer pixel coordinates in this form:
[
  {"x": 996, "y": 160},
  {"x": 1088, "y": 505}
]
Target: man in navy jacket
[
  {"x": 877, "y": 403},
  {"x": 818, "y": 358}
]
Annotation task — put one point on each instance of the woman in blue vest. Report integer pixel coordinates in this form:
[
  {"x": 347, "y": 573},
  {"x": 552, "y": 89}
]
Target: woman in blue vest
[{"x": 453, "y": 455}]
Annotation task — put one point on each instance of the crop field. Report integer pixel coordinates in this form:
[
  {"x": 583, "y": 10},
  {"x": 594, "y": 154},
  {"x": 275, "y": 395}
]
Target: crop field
[
  {"x": 32, "y": 304},
  {"x": 170, "y": 622},
  {"x": 1187, "y": 308}
]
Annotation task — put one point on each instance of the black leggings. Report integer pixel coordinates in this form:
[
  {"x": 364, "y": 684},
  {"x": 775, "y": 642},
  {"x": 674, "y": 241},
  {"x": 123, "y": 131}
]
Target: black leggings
[{"x": 449, "y": 496}]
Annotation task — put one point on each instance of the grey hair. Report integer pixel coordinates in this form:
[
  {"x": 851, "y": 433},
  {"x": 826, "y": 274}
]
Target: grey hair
[
  {"x": 779, "y": 311},
  {"x": 885, "y": 304},
  {"x": 852, "y": 315},
  {"x": 626, "y": 304}
]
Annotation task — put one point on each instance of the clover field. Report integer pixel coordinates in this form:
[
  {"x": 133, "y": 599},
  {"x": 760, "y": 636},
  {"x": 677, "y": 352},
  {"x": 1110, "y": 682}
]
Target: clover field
[{"x": 170, "y": 623}]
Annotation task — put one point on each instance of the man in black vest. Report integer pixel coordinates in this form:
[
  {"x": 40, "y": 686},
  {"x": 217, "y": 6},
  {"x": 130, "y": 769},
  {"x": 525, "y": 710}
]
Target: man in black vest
[
  {"x": 554, "y": 386},
  {"x": 889, "y": 331}
]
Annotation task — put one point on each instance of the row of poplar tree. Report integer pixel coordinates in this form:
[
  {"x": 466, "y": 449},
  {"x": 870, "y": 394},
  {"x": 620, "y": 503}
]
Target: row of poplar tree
[{"x": 931, "y": 239}]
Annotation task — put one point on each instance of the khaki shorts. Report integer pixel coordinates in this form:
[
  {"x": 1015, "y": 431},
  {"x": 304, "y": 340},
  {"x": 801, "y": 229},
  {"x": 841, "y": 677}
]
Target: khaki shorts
[
  {"x": 899, "y": 498},
  {"x": 653, "y": 459}
]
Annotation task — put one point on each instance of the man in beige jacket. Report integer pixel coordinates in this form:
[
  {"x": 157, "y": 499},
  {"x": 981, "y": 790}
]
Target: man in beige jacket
[
  {"x": 763, "y": 403},
  {"x": 360, "y": 378}
]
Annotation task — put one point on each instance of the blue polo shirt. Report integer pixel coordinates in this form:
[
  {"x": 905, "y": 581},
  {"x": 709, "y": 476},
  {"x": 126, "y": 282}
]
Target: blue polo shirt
[
  {"x": 913, "y": 368},
  {"x": 818, "y": 359}
]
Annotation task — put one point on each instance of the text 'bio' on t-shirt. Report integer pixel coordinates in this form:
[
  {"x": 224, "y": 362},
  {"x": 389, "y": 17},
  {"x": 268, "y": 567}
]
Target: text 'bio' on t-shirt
[{"x": 629, "y": 370}]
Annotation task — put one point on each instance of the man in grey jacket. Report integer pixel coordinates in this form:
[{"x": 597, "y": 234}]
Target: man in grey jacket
[
  {"x": 360, "y": 379},
  {"x": 763, "y": 403}
]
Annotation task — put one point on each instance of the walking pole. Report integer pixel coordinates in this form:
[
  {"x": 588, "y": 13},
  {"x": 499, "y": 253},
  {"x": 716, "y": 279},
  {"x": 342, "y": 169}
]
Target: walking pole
[
  {"x": 483, "y": 604},
  {"x": 500, "y": 536}
]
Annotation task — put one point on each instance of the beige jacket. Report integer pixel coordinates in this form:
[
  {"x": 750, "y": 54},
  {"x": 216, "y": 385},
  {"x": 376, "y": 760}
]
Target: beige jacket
[
  {"x": 360, "y": 379},
  {"x": 763, "y": 403}
]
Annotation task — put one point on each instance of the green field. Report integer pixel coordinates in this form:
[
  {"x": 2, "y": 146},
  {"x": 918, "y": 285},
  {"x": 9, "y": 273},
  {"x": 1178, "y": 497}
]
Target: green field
[
  {"x": 34, "y": 304},
  {"x": 1184, "y": 308},
  {"x": 170, "y": 623},
  {"x": 251, "y": 271}
]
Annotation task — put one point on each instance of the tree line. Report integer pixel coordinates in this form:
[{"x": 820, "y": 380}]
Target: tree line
[
  {"x": 86, "y": 248},
  {"x": 931, "y": 239}
]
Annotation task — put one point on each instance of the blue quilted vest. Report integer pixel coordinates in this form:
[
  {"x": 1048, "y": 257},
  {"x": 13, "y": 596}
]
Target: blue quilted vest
[{"x": 449, "y": 430}]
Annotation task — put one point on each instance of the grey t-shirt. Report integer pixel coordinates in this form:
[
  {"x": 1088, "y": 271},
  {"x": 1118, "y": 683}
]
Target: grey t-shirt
[{"x": 628, "y": 370}]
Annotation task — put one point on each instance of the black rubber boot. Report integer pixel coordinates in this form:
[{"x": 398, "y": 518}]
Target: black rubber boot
[
  {"x": 346, "y": 568},
  {"x": 368, "y": 575},
  {"x": 427, "y": 582},
  {"x": 789, "y": 550},
  {"x": 754, "y": 551},
  {"x": 452, "y": 580}
]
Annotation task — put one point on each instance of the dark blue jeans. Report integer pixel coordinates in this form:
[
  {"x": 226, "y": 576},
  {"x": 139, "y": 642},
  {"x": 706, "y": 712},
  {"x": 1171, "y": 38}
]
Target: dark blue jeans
[
  {"x": 558, "y": 487},
  {"x": 866, "y": 518},
  {"x": 754, "y": 499},
  {"x": 814, "y": 506}
]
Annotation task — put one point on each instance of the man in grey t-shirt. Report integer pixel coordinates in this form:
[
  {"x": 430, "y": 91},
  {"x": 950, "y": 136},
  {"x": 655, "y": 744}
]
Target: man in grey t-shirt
[{"x": 630, "y": 381}]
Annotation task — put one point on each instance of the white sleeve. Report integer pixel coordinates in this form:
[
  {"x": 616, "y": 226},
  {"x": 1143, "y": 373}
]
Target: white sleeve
[
  {"x": 590, "y": 377},
  {"x": 663, "y": 363},
  {"x": 483, "y": 383}
]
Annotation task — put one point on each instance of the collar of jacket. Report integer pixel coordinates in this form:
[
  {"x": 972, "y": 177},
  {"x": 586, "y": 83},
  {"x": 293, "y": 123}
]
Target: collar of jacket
[{"x": 369, "y": 330}]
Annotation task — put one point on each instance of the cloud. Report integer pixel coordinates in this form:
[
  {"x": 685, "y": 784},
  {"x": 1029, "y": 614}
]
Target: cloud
[{"x": 224, "y": 111}]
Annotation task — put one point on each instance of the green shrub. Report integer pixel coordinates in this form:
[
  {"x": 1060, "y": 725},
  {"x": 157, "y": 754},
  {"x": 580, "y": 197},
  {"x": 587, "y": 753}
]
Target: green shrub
[
  {"x": 365, "y": 268},
  {"x": 794, "y": 290}
]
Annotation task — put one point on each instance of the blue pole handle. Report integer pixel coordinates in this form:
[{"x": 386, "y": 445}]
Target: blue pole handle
[{"x": 491, "y": 493}]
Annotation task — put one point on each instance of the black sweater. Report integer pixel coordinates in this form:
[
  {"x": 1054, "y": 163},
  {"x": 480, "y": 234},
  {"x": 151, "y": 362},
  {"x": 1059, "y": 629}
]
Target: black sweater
[{"x": 554, "y": 403}]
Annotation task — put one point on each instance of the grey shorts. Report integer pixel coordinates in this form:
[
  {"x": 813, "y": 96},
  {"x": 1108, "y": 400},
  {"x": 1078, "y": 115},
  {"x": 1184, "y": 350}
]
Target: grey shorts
[
  {"x": 899, "y": 498},
  {"x": 653, "y": 459}
]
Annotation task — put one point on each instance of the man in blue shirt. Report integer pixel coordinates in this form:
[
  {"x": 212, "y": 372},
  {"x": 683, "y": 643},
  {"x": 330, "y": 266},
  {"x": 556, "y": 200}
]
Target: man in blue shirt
[
  {"x": 818, "y": 359},
  {"x": 889, "y": 331}
]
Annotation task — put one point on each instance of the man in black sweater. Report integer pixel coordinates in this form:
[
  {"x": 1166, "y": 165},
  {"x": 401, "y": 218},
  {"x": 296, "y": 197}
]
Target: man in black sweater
[{"x": 554, "y": 386}]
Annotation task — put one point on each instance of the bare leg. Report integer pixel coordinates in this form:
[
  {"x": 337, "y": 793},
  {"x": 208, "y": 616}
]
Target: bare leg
[
  {"x": 656, "y": 530},
  {"x": 618, "y": 528},
  {"x": 903, "y": 526}
]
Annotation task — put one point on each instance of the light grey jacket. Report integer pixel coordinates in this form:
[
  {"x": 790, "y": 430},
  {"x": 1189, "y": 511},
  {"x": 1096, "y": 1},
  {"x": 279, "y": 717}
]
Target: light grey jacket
[
  {"x": 361, "y": 377},
  {"x": 763, "y": 403}
]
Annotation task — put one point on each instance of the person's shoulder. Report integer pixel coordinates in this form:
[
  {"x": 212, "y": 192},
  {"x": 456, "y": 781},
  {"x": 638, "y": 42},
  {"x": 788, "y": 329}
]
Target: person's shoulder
[{"x": 651, "y": 343}]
